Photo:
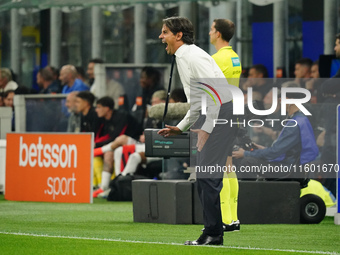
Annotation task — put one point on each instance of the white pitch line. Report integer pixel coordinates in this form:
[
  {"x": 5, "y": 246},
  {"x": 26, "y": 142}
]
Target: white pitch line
[{"x": 179, "y": 244}]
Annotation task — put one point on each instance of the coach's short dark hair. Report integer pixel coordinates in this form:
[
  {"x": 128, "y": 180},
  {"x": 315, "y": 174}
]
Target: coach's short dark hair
[
  {"x": 106, "y": 102},
  {"x": 87, "y": 96},
  {"x": 181, "y": 24},
  {"x": 226, "y": 28}
]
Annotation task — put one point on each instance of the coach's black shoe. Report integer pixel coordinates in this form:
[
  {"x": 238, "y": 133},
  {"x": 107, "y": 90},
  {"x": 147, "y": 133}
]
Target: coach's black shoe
[
  {"x": 204, "y": 239},
  {"x": 234, "y": 226}
]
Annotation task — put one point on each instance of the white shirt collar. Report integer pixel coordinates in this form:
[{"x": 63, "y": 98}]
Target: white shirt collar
[{"x": 180, "y": 51}]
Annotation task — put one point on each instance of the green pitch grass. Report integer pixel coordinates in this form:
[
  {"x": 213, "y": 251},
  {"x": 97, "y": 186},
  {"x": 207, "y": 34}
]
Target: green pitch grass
[{"x": 108, "y": 228}]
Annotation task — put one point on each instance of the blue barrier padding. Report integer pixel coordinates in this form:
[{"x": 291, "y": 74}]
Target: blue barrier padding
[
  {"x": 312, "y": 39},
  {"x": 263, "y": 44},
  {"x": 44, "y": 60}
]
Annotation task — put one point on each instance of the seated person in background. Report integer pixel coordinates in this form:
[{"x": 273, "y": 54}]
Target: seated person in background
[
  {"x": 149, "y": 83},
  {"x": 159, "y": 96},
  {"x": 68, "y": 78},
  {"x": 115, "y": 124},
  {"x": 73, "y": 122},
  {"x": 290, "y": 148},
  {"x": 8, "y": 97},
  {"x": 258, "y": 80},
  {"x": 303, "y": 72},
  {"x": 89, "y": 120},
  {"x": 6, "y": 82},
  {"x": 126, "y": 139},
  {"x": 46, "y": 82}
]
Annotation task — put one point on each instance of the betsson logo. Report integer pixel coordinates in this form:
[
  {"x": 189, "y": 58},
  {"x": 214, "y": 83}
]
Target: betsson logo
[{"x": 46, "y": 155}]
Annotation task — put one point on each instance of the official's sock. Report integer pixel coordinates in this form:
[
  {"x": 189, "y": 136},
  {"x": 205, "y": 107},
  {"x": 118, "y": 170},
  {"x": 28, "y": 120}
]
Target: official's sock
[
  {"x": 134, "y": 160},
  {"x": 225, "y": 202},
  {"x": 233, "y": 184},
  {"x": 106, "y": 177},
  {"x": 101, "y": 150}
]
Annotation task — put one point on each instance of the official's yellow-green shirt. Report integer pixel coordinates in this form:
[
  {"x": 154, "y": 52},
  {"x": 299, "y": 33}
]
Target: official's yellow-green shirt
[{"x": 229, "y": 63}]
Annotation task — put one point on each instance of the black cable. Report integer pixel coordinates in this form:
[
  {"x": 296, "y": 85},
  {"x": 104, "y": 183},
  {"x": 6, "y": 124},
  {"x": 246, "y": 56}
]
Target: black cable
[{"x": 169, "y": 88}]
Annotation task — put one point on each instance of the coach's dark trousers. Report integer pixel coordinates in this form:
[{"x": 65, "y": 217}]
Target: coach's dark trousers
[{"x": 214, "y": 153}]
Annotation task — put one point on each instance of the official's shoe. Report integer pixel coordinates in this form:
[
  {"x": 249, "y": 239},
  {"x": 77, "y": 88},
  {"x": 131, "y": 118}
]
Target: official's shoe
[
  {"x": 233, "y": 226},
  {"x": 205, "y": 239},
  {"x": 97, "y": 192}
]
